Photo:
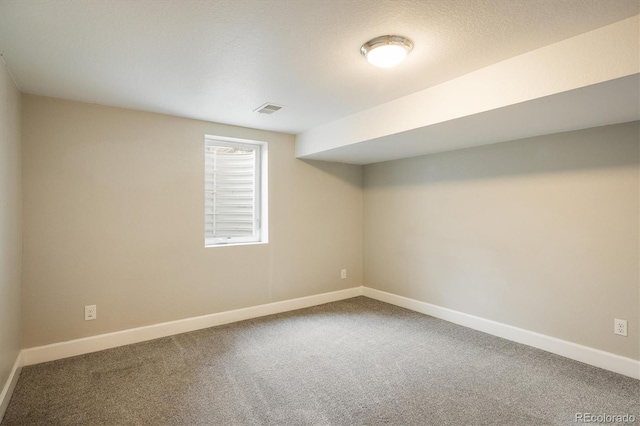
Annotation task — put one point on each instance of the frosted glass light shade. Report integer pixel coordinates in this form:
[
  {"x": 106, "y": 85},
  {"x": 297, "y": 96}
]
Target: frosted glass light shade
[
  {"x": 386, "y": 51},
  {"x": 387, "y": 56}
]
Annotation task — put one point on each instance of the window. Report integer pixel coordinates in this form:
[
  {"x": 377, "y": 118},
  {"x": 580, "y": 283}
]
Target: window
[{"x": 235, "y": 191}]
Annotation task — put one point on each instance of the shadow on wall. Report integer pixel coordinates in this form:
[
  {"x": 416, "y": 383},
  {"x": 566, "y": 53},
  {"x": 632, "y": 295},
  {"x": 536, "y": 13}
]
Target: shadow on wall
[
  {"x": 603, "y": 147},
  {"x": 348, "y": 173}
]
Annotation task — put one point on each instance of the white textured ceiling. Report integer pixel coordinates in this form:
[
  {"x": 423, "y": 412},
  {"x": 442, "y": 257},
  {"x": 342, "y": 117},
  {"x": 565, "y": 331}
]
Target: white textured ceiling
[{"x": 219, "y": 60}]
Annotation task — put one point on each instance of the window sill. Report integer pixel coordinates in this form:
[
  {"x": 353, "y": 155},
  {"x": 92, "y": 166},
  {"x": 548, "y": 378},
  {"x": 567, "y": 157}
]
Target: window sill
[{"x": 253, "y": 243}]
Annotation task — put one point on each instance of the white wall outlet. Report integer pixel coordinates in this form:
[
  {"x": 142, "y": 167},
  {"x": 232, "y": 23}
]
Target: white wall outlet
[
  {"x": 343, "y": 274},
  {"x": 620, "y": 327},
  {"x": 90, "y": 312}
]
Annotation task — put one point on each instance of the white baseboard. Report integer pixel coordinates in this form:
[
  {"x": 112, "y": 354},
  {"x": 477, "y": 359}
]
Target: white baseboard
[
  {"x": 598, "y": 358},
  {"x": 100, "y": 342},
  {"x": 10, "y": 385},
  {"x": 605, "y": 360}
]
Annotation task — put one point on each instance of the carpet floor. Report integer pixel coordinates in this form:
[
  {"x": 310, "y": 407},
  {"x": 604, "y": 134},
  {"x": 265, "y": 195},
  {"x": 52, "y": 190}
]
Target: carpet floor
[{"x": 353, "y": 362}]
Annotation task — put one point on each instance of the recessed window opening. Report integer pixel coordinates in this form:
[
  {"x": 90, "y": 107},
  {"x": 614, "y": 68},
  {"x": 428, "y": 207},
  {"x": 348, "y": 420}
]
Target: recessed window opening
[{"x": 235, "y": 191}]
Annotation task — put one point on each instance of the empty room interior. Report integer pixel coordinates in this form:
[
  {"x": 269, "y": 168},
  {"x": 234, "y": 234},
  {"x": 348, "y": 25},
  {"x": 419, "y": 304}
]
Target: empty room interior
[{"x": 319, "y": 212}]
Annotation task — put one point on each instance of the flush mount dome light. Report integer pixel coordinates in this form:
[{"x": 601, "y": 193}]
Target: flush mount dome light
[{"x": 386, "y": 51}]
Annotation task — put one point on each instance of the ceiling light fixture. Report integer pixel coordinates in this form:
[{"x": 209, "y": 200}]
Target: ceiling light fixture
[{"x": 386, "y": 51}]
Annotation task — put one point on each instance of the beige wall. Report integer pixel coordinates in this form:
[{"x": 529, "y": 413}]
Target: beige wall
[
  {"x": 10, "y": 225},
  {"x": 113, "y": 216},
  {"x": 540, "y": 233}
]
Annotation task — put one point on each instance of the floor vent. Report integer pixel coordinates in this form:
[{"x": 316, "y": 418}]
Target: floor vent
[{"x": 268, "y": 108}]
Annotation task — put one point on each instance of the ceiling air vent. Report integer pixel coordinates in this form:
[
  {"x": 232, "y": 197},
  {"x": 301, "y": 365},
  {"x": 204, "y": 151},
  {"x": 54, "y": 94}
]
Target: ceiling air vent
[{"x": 268, "y": 108}]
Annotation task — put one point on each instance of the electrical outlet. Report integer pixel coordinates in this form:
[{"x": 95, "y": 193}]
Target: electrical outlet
[
  {"x": 90, "y": 312},
  {"x": 343, "y": 274},
  {"x": 620, "y": 327}
]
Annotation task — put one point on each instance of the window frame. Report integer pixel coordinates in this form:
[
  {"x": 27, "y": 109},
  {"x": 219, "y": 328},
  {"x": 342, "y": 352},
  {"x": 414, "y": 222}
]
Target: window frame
[{"x": 260, "y": 227}]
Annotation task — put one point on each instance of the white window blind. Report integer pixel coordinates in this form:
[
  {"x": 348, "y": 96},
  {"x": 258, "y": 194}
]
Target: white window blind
[{"x": 232, "y": 192}]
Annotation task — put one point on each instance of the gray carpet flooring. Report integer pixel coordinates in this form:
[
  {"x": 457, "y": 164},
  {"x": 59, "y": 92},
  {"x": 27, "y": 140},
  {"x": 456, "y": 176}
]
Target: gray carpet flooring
[{"x": 353, "y": 362}]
